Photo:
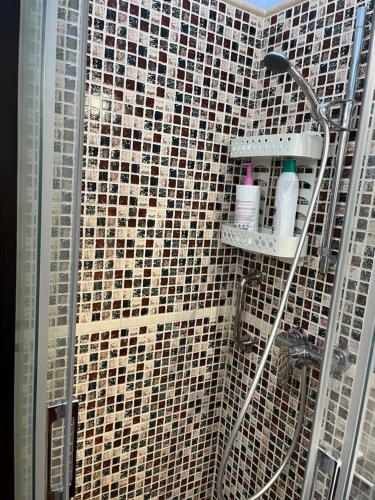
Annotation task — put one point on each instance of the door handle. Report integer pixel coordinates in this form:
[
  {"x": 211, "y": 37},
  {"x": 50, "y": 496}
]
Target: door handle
[
  {"x": 72, "y": 485},
  {"x": 54, "y": 413},
  {"x": 331, "y": 467},
  {"x": 57, "y": 412}
]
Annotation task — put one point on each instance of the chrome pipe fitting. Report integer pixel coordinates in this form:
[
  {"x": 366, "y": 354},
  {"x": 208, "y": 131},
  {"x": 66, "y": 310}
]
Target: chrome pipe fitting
[
  {"x": 244, "y": 342},
  {"x": 297, "y": 351}
]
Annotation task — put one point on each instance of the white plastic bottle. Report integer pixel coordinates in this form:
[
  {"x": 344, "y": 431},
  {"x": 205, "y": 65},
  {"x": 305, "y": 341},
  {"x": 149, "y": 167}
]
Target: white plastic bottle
[
  {"x": 247, "y": 202},
  {"x": 286, "y": 199}
]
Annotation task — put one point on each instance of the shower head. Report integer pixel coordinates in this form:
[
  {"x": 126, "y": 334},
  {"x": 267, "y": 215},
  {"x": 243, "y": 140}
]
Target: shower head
[{"x": 277, "y": 63}]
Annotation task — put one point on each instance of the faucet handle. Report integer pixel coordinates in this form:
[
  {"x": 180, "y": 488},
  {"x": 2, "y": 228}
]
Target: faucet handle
[{"x": 284, "y": 367}]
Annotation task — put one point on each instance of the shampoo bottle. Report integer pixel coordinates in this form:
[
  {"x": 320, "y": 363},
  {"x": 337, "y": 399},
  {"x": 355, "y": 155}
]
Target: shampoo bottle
[
  {"x": 286, "y": 199},
  {"x": 247, "y": 202}
]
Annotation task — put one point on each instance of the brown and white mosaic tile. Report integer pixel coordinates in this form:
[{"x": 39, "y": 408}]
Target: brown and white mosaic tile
[{"x": 160, "y": 383}]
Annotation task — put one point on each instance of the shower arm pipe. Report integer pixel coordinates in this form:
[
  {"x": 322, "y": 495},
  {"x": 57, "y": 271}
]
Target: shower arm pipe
[
  {"x": 327, "y": 260},
  {"x": 280, "y": 313}
]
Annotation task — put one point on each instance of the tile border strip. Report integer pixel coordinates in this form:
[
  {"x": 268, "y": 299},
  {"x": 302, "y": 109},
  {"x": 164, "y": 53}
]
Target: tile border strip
[
  {"x": 154, "y": 319},
  {"x": 114, "y": 324}
]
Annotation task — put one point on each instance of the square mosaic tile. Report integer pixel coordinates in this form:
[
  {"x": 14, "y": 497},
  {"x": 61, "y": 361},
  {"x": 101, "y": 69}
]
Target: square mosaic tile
[{"x": 168, "y": 85}]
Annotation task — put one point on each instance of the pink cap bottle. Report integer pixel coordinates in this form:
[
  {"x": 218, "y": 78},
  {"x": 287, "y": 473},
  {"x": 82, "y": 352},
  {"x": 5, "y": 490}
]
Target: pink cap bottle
[
  {"x": 249, "y": 180},
  {"x": 247, "y": 202}
]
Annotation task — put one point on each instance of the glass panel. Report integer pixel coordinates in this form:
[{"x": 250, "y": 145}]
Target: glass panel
[
  {"x": 29, "y": 115},
  {"x": 51, "y": 119},
  {"x": 363, "y": 484},
  {"x": 355, "y": 302}
]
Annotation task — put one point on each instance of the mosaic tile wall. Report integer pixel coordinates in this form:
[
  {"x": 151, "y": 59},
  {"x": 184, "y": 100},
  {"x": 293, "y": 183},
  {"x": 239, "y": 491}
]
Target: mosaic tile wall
[
  {"x": 168, "y": 85},
  {"x": 151, "y": 398},
  {"x": 317, "y": 37},
  {"x": 162, "y": 103}
]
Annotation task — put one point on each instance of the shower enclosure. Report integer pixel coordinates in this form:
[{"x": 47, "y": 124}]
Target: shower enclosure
[{"x": 128, "y": 376}]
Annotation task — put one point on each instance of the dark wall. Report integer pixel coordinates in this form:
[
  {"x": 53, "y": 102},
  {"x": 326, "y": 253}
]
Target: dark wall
[{"x": 9, "y": 34}]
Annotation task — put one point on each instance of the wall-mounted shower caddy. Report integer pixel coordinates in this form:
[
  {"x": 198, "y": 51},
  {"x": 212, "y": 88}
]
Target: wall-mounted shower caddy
[{"x": 306, "y": 149}]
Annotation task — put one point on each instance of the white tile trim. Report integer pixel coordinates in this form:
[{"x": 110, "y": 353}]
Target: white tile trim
[
  {"x": 154, "y": 319},
  {"x": 253, "y": 9}
]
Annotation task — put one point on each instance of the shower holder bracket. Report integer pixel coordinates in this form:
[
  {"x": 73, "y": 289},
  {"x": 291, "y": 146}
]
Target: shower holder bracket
[{"x": 325, "y": 110}]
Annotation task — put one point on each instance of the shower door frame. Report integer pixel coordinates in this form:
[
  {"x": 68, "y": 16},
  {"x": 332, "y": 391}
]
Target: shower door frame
[
  {"x": 48, "y": 49},
  {"x": 366, "y": 354},
  {"x": 341, "y": 483},
  {"x": 41, "y": 437}
]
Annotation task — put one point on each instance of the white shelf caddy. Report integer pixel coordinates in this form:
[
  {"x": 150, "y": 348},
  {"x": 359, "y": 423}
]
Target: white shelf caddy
[
  {"x": 307, "y": 146},
  {"x": 264, "y": 243}
]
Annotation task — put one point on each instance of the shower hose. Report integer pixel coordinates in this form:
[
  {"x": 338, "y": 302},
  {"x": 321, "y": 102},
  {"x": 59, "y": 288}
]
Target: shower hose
[{"x": 267, "y": 350}]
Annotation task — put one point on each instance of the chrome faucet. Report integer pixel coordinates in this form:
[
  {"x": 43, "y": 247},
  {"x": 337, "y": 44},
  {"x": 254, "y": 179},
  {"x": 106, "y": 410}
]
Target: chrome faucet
[{"x": 297, "y": 351}]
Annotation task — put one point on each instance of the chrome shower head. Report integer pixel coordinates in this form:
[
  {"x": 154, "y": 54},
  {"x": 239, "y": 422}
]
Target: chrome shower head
[{"x": 277, "y": 63}]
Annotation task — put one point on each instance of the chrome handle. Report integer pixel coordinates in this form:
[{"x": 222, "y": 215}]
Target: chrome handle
[
  {"x": 244, "y": 343},
  {"x": 54, "y": 413},
  {"x": 330, "y": 467},
  {"x": 72, "y": 485}
]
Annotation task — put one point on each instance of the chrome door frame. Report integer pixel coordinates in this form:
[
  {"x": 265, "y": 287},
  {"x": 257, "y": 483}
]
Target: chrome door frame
[
  {"x": 45, "y": 15},
  {"x": 358, "y": 394},
  {"x": 366, "y": 354},
  {"x": 44, "y": 252}
]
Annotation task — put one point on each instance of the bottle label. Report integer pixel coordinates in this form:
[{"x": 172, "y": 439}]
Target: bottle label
[{"x": 245, "y": 216}]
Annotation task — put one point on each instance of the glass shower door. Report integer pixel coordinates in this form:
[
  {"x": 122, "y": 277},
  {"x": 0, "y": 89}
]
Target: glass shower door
[
  {"x": 341, "y": 458},
  {"x": 357, "y": 477},
  {"x": 359, "y": 481},
  {"x": 52, "y": 54}
]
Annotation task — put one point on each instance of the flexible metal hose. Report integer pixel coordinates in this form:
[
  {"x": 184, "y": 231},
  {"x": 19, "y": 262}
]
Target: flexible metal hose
[
  {"x": 279, "y": 315},
  {"x": 297, "y": 432}
]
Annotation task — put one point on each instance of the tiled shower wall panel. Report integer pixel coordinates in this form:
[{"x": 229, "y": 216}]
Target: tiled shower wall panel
[
  {"x": 317, "y": 36},
  {"x": 167, "y": 86},
  {"x": 150, "y": 398}
]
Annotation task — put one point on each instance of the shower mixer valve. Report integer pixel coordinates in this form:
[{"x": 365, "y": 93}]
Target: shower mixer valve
[{"x": 296, "y": 350}]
